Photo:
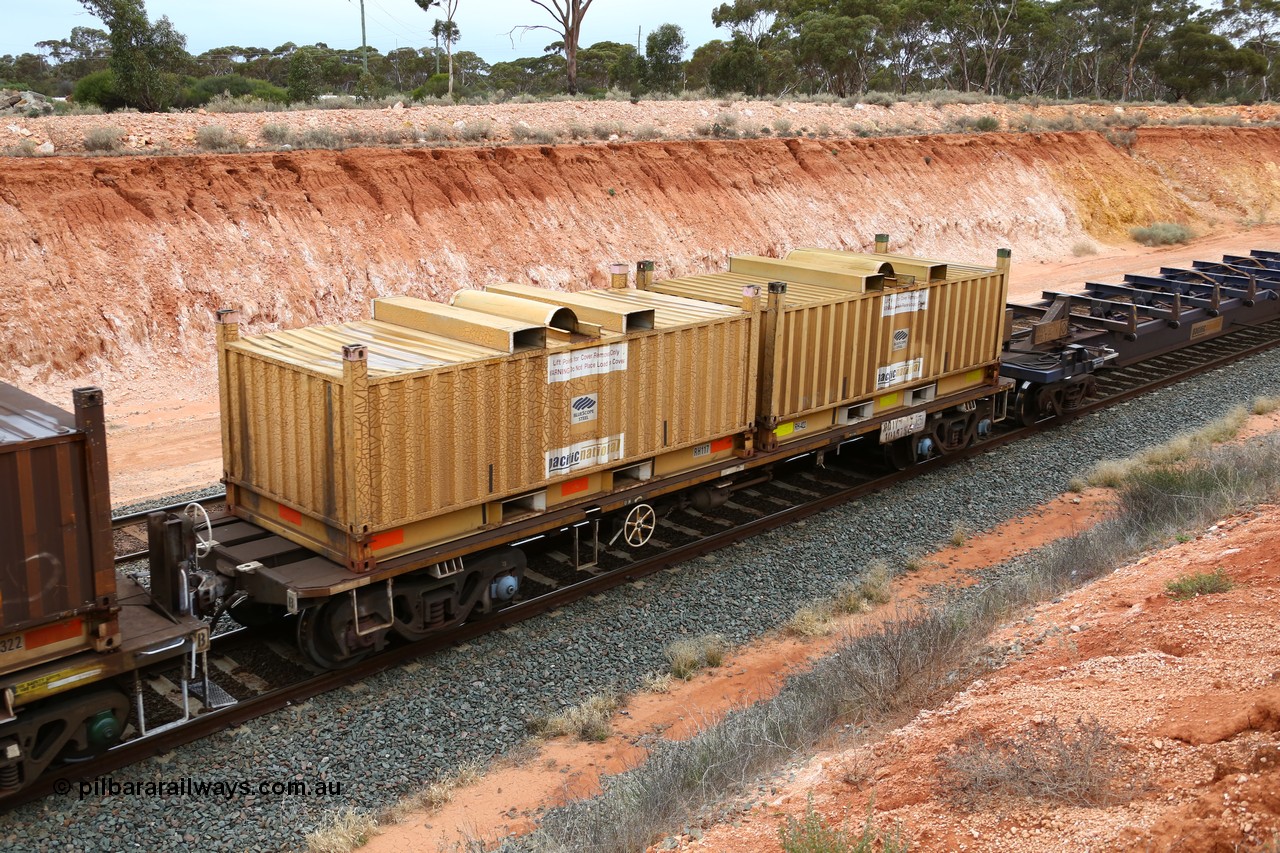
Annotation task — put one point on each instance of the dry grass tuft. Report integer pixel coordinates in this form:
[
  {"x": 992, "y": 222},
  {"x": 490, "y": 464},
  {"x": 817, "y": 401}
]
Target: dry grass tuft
[
  {"x": 345, "y": 831},
  {"x": 1076, "y": 765},
  {"x": 688, "y": 656},
  {"x": 434, "y": 796},
  {"x": 1265, "y": 405},
  {"x": 590, "y": 721}
]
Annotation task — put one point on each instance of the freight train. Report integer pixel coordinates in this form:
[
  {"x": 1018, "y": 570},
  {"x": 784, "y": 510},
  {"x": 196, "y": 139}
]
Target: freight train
[{"x": 384, "y": 477}]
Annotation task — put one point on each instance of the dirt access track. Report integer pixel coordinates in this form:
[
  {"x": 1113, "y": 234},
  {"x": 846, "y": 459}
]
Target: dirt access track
[{"x": 111, "y": 268}]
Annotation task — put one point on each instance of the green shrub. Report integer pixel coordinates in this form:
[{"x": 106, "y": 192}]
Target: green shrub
[
  {"x": 986, "y": 124},
  {"x": 98, "y": 88},
  {"x": 604, "y": 130},
  {"x": 1201, "y": 583},
  {"x": 812, "y": 835},
  {"x": 1161, "y": 234},
  {"x": 104, "y": 138},
  {"x": 879, "y": 99},
  {"x": 319, "y": 137},
  {"x": 215, "y": 137},
  {"x": 476, "y": 131},
  {"x": 276, "y": 134}
]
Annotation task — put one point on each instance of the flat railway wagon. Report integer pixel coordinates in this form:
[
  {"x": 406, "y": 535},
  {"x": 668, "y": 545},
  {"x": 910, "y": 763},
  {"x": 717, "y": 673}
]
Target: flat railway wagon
[
  {"x": 75, "y": 634},
  {"x": 1055, "y": 346},
  {"x": 381, "y": 474}
]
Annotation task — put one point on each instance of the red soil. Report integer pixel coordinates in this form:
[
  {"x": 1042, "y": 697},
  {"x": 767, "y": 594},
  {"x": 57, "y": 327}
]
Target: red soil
[{"x": 110, "y": 268}]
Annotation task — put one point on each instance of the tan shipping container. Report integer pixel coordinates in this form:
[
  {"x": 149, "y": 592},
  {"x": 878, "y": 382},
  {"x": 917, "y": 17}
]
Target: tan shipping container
[
  {"x": 370, "y": 440},
  {"x": 852, "y": 336}
]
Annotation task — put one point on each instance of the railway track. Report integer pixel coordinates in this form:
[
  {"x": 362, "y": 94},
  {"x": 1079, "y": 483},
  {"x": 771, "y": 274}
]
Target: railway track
[{"x": 258, "y": 671}]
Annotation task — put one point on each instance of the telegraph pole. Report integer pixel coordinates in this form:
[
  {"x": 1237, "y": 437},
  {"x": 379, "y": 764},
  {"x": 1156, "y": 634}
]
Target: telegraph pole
[{"x": 364, "y": 41}]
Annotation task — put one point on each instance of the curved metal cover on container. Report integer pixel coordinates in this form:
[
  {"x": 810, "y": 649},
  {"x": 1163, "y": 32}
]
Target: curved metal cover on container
[{"x": 24, "y": 417}]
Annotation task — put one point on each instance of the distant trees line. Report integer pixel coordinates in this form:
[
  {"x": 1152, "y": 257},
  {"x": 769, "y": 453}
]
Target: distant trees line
[{"x": 1072, "y": 49}]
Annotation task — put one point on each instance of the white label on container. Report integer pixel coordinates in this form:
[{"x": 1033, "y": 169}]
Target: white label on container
[
  {"x": 904, "y": 303},
  {"x": 900, "y": 338},
  {"x": 592, "y": 361},
  {"x": 899, "y": 427},
  {"x": 584, "y": 454},
  {"x": 584, "y": 408},
  {"x": 902, "y": 371}
]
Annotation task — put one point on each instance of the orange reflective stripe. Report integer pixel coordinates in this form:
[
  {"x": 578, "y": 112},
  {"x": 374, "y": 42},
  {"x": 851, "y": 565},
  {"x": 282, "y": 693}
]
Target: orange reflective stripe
[
  {"x": 57, "y": 633},
  {"x": 387, "y": 539}
]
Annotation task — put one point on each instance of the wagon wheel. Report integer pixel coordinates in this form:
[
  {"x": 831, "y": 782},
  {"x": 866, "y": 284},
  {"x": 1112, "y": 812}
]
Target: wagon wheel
[
  {"x": 318, "y": 630},
  {"x": 639, "y": 525}
]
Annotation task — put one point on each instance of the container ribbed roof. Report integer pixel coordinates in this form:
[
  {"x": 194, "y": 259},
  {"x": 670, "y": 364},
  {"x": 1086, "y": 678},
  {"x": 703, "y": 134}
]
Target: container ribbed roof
[{"x": 25, "y": 417}]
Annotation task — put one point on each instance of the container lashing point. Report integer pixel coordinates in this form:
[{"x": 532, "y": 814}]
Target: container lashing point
[
  {"x": 882, "y": 244},
  {"x": 618, "y": 278},
  {"x": 355, "y": 352},
  {"x": 644, "y": 274}
]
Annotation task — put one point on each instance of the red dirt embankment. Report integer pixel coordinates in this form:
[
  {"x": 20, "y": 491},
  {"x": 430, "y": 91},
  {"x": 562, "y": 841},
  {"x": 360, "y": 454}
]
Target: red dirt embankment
[{"x": 121, "y": 261}]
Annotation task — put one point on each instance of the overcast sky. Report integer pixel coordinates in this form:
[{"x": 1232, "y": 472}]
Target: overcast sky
[{"x": 391, "y": 23}]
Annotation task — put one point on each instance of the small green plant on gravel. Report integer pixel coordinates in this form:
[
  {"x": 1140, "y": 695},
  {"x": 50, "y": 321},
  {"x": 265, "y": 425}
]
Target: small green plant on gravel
[
  {"x": 646, "y": 133},
  {"x": 812, "y": 834},
  {"x": 959, "y": 534},
  {"x": 1200, "y": 583},
  {"x": 1076, "y": 764},
  {"x": 576, "y": 130},
  {"x": 344, "y": 832},
  {"x": 782, "y": 127},
  {"x": 102, "y": 138},
  {"x": 986, "y": 124},
  {"x": 1161, "y": 234},
  {"x": 686, "y": 657},
  {"x": 215, "y": 137},
  {"x": 1077, "y": 485}
]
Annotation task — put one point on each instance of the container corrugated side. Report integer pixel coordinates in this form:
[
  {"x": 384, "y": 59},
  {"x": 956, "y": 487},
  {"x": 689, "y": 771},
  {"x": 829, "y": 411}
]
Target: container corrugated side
[
  {"x": 834, "y": 347},
  {"x": 847, "y": 349},
  {"x": 57, "y": 577},
  {"x": 432, "y": 441}
]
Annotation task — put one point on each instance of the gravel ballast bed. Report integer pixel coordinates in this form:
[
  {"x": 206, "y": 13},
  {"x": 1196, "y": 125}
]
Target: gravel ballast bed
[{"x": 400, "y": 730}]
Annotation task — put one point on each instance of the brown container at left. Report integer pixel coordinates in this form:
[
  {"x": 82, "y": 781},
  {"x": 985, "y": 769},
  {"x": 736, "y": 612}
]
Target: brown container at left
[{"x": 57, "y": 574}]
